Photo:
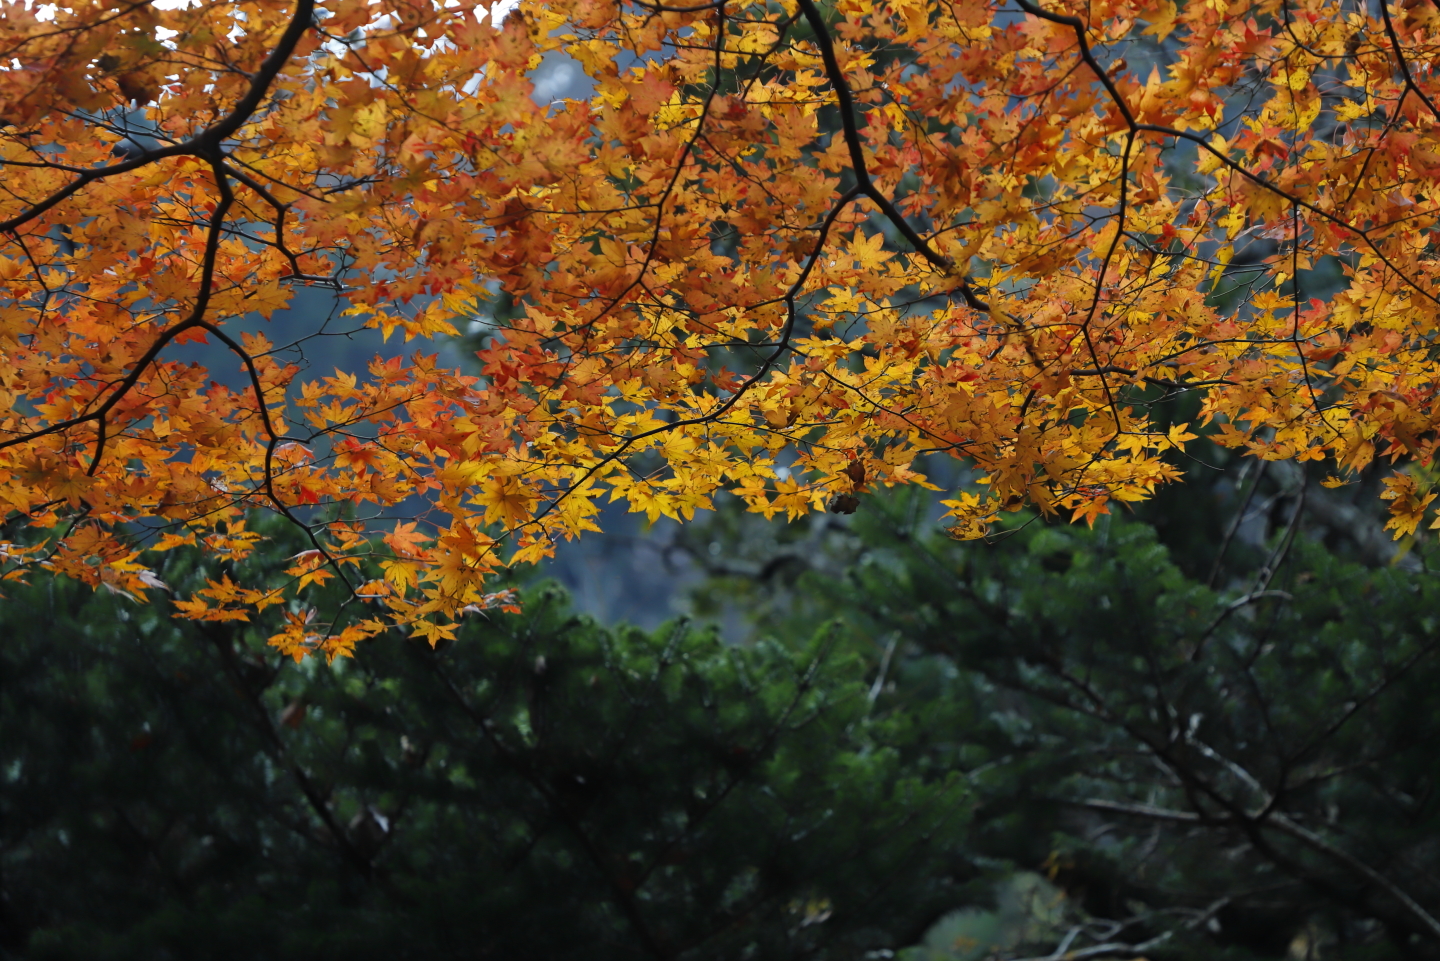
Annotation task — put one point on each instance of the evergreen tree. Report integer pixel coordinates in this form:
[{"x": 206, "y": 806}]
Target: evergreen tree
[
  {"x": 1248, "y": 768},
  {"x": 542, "y": 787}
]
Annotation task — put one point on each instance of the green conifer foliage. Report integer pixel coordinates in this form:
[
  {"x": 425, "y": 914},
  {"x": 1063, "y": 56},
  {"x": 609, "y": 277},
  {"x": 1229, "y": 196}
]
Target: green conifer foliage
[
  {"x": 1248, "y": 768},
  {"x": 541, "y": 788}
]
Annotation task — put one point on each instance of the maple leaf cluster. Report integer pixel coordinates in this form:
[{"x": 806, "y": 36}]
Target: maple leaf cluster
[{"x": 784, "y": 249}]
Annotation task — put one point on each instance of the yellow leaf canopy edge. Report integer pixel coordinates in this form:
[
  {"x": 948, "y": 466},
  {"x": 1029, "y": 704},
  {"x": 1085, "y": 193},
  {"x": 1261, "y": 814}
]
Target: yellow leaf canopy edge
[{"x": 782, "y": 249}]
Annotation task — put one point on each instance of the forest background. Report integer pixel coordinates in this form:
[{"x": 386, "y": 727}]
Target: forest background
[{"x": 1203, "y": 727}]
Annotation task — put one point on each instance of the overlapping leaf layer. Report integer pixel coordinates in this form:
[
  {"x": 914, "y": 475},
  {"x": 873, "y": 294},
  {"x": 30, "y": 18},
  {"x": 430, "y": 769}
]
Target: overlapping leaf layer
[{"x": 783, "y": 250}]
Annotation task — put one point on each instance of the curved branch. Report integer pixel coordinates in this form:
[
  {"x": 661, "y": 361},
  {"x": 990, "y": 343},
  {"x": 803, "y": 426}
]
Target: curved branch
[
  {"x": 1410, "y": 84},
  {"x": 194, "y": 320},
  {"x": 1086, "y": 54},
  {"x": 269, "y": 482},
  {"x": 781, "y": 346},
  {"x": 864, "y": 184},
  {"x": 203, "y": 143},
  {"x": 1252, "y": 822}
]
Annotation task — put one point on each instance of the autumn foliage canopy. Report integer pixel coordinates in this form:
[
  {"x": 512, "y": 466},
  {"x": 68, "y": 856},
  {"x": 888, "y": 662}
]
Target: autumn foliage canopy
[{"x": 784, "y": 249}]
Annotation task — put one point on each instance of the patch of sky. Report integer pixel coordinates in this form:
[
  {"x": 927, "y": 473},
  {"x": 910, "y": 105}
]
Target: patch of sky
[{"x": 560, "y": 77}]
